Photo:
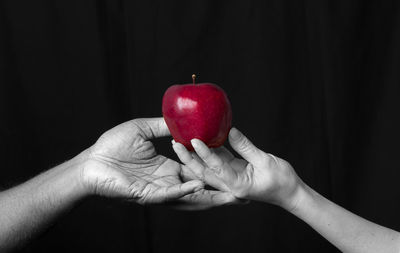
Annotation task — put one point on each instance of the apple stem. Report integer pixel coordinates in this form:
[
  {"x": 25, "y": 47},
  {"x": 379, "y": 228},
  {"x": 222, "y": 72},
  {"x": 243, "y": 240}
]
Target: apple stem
[{"x": 194, "y": 79}]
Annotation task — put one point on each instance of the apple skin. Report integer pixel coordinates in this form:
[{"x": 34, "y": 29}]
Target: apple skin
[{"x": 200, "y": 111}]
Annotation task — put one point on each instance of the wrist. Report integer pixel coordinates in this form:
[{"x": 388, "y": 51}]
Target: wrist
[
  {"x": 296, "y": 198},
  {"x": 52, "y": 191},
  {"x": 67, "y": 180},
  {"x": 77, "y": 167},
  {"x": 301, "y": 200}
]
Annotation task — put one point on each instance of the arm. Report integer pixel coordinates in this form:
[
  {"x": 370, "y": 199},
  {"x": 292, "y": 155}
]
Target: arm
[
  {"x": 347, "y": 231},
  {"x": 29, "y": 208},
  {"x": 121, "y": 164},
  {"x": 264, "y": 177}
]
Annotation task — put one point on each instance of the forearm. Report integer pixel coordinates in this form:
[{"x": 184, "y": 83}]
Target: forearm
[
  {"x": 30, "y": 207},
  {"x": 347, "y": 231}
]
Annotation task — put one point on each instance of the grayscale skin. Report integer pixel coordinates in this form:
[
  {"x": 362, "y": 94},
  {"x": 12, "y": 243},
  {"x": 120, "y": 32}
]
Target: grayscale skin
[
  {"x": 264, "y": 177},
  {"x": 122, "y": 164}
]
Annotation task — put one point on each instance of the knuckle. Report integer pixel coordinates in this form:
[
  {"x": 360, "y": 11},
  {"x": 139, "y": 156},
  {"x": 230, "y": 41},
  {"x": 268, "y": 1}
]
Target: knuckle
[
  {"x": 243, "y": 141},
  {"x": 273, "y": 160},
  {"x": 216, "y": 170},
  {"x": 245, "y": 145},
  {"x": 137, "y": 126},
  {"x": 269, "y": 160},
  {"x": 137, "y": 123}
]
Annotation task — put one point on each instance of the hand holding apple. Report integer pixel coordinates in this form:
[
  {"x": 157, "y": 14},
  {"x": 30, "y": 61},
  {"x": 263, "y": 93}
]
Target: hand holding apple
[
  {"x": 124, "y": 164},
  {"x": 261, "y": 176},
  {"x": 200, "y": 111}
]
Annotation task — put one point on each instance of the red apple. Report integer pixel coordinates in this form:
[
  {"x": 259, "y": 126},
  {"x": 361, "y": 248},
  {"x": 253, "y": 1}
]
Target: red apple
[{"x": 200, "y": 111}]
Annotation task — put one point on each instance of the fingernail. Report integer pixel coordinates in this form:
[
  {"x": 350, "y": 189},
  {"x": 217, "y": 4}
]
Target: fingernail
[
  {"x": 194, "y": 143},
  {"x": 234, "y": 134},
  {"x": 178, "y": 147}
]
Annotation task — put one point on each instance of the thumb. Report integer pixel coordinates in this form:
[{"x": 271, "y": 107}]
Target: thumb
[
  {"x": 152, "y": 127},
  {"x": 243, "y": 146}
]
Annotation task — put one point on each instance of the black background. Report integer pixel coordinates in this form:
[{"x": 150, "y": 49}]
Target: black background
[{"x": 314, "y": 82}]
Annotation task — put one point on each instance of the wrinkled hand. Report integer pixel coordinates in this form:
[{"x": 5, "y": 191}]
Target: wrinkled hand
[
  {"x": 260, "y": 176},
  {"x": 123, "y": 163}
]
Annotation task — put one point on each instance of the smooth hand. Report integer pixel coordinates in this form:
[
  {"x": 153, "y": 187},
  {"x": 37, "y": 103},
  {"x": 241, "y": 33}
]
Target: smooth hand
[
  {"x": 123, "y": 163},
  {"x": 261, "y": 176}
]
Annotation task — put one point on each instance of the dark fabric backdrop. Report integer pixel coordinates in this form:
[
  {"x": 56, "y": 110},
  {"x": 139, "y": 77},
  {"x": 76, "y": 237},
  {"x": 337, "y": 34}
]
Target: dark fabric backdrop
[{"x": 314, "y": 82}]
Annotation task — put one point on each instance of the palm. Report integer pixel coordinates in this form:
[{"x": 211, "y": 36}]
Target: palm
[
  {"x": 127, "y": 165},
  {"x": 266, "y": 177},
  {"x": 244, "y": 178}
]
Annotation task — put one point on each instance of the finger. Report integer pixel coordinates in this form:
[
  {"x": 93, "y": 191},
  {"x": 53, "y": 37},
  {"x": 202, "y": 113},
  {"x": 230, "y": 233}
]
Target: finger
[
  {"x": 224, "y": 153},
  {"x": 173, "y": 192},
  {"x": 187, "y": 174},
  {"x": 212, "y": 160},
  {"x": 205, "y": 199},
  {"x": 216, "y": 173},
  {"x": 243, "y": 146},
  {"x": 197, "y": 158},
  {"x": 208, "y": 176},
  {"x": 239, "y": 165},
  {"x": 187, "y": 159},
  {"x": 152, "y": 127},
  {"x": 182, "y": 153}
]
